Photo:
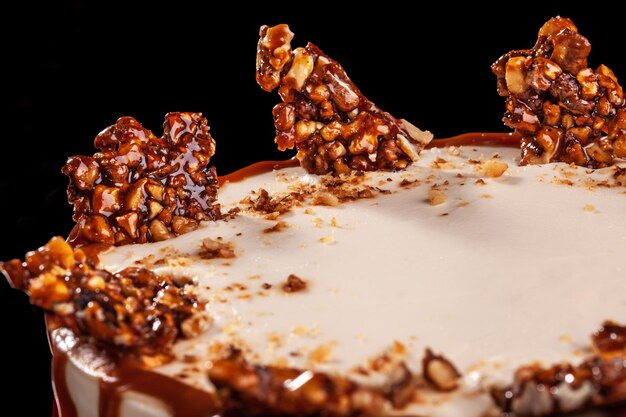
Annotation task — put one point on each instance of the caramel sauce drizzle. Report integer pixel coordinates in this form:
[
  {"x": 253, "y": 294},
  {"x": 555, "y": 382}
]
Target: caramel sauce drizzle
[{"x": 182, "y": 399}]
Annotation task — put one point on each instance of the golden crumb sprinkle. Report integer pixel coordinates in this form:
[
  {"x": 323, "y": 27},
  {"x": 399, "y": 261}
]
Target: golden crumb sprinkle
[
  {"x": 436, "y": 197},
  {"x": 278, "y": 227},
  {"x": 321, "y": 354},
  {"x": 327, "y": 239},
  {"x": 324, "y": 198},
  {"x": 216, "y": 248},
  {"x": 492, "y": 168}
]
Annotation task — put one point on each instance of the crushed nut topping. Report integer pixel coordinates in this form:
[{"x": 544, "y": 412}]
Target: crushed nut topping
[
  {"x": 294, "y": 284},
  {"x": 334, "y": 127},
  {"x": 492, "y": 168},
  {"x": 271, "y": 390},
  {"x": 564, "y": 111},
  {"x": 216, "y": 248},
  {"x": 261, "y": 201},
  {"x": 400, "y": 385},
  {"x": 133, "y": 309},
  {"x": 278, "y": 227},
  {"x": 598, "y": 380},
  {"x": 437, "y": 196},
  {"x": 330, "y": 192},
  {"x": 142, "y": 188}
]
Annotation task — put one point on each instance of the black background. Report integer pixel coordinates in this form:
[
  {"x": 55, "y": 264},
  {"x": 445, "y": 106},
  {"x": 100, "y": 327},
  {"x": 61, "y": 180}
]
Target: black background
[{"x": 71, "y": 70}]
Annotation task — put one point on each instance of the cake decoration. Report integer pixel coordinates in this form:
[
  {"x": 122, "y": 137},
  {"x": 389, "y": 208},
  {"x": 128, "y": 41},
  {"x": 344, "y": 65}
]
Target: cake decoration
[
  {"x": 563, "y": 110},
  {"x": 334, "y": 127},
  {"x": 142, "y": 188},
  {"x": 135, "y": 309}
]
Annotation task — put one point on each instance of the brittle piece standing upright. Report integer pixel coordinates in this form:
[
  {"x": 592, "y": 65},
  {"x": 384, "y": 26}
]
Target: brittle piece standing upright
[
  {"x": 141, "y": 187},
  {"x": 324, "y": 115},
  {"x": 563, "y": 110}
]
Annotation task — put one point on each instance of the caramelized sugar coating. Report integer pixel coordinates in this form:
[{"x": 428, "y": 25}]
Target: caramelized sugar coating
[
  {"x": 255, "y": 390},
  {"x": 334, "y": 127},
  {"x": 133, "y": 309},
  {"x": 280, "y": 391},
  {"x": 599, "y": 380},
  {"x": 140, "y": 187},
  {"x": 563, "y": 110}
]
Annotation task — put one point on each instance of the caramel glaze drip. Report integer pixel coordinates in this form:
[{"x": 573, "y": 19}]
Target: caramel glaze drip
[
  {"x": 64, "y": 405},
  {"x": 184, "y": 400},
  {"x": 122, "y": 376}
]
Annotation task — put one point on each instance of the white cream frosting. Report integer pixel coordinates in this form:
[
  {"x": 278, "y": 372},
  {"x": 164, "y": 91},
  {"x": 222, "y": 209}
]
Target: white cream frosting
[{"x": 519, "y": 269}]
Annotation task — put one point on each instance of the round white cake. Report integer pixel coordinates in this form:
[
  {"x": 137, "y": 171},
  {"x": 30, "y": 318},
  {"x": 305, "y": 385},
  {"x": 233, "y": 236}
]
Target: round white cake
[{"x": 489, "y": 264}]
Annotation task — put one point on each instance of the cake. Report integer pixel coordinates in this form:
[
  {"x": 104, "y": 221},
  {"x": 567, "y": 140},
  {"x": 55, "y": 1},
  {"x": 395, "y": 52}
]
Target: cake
[{"x": 377, "y": 274}]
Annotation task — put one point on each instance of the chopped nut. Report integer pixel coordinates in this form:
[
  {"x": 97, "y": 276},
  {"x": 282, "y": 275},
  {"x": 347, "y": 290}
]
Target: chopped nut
[
  {"x": 324, "y": 198},
  {"x": 216, "y": 248},
  {"x": 400, "y": 386},
  {"x": 589, "y": 208},
  {"x": 324, "y": 115},
  {"x": 143, "y": 188},
  {"x": 181, "y": 225},
  {"x": 611, "y": 337},
  {"x": 321, "y": 354},
  {"x": 159, "y": 231},
  {"x": 440, "y": 372},
  {"x": 294, "y": 284},
  {"x": 436, "y": 196},
  {"x": 278, "y": 227},
  {"x": 564, "y": 111},
  {"x": 493, "y": 168}
]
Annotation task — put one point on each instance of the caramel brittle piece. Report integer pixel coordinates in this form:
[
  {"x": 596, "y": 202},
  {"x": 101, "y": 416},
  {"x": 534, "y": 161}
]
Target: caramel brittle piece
[
  {"x": 563, "y": 110},
  {"x": 271, "y": 390},
  {"x": 133, "y": 309},
  {"x": 141, "y": 187},
  {"x": 334, "y": 127},
  {"x": 599, "y": 380}
]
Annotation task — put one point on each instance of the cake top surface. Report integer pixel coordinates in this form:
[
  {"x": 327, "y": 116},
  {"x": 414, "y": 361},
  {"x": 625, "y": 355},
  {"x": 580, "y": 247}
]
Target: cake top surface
[{"x": 359, "y": 275}]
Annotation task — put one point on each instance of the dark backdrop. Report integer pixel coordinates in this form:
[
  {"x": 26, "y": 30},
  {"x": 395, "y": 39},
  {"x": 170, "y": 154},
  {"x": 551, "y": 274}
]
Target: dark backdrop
[{"x": 71, "y": 70}]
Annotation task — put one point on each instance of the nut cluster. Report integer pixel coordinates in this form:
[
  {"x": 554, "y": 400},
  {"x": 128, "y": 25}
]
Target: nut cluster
[
  {"x": 133, "y": 309},
  {"x": 278, "y": 390},
  {"x": 599, "y": 380},
  {"x": 143, "y": 188},
  {"x": 334, "y": 127},
  {"x": 563, "y": 110},
  {"x": 254, "y": 390}
]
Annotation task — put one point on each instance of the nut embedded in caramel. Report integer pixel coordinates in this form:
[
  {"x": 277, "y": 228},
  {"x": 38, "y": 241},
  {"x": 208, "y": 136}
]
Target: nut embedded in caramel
[
  {"x": 141, "y": 187},
  {"x": 334, "y": 127},
  {"x": 563, "y": 110},
  {"x": 598, "y": 380},
  {"x": 133, "y": 309}
]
